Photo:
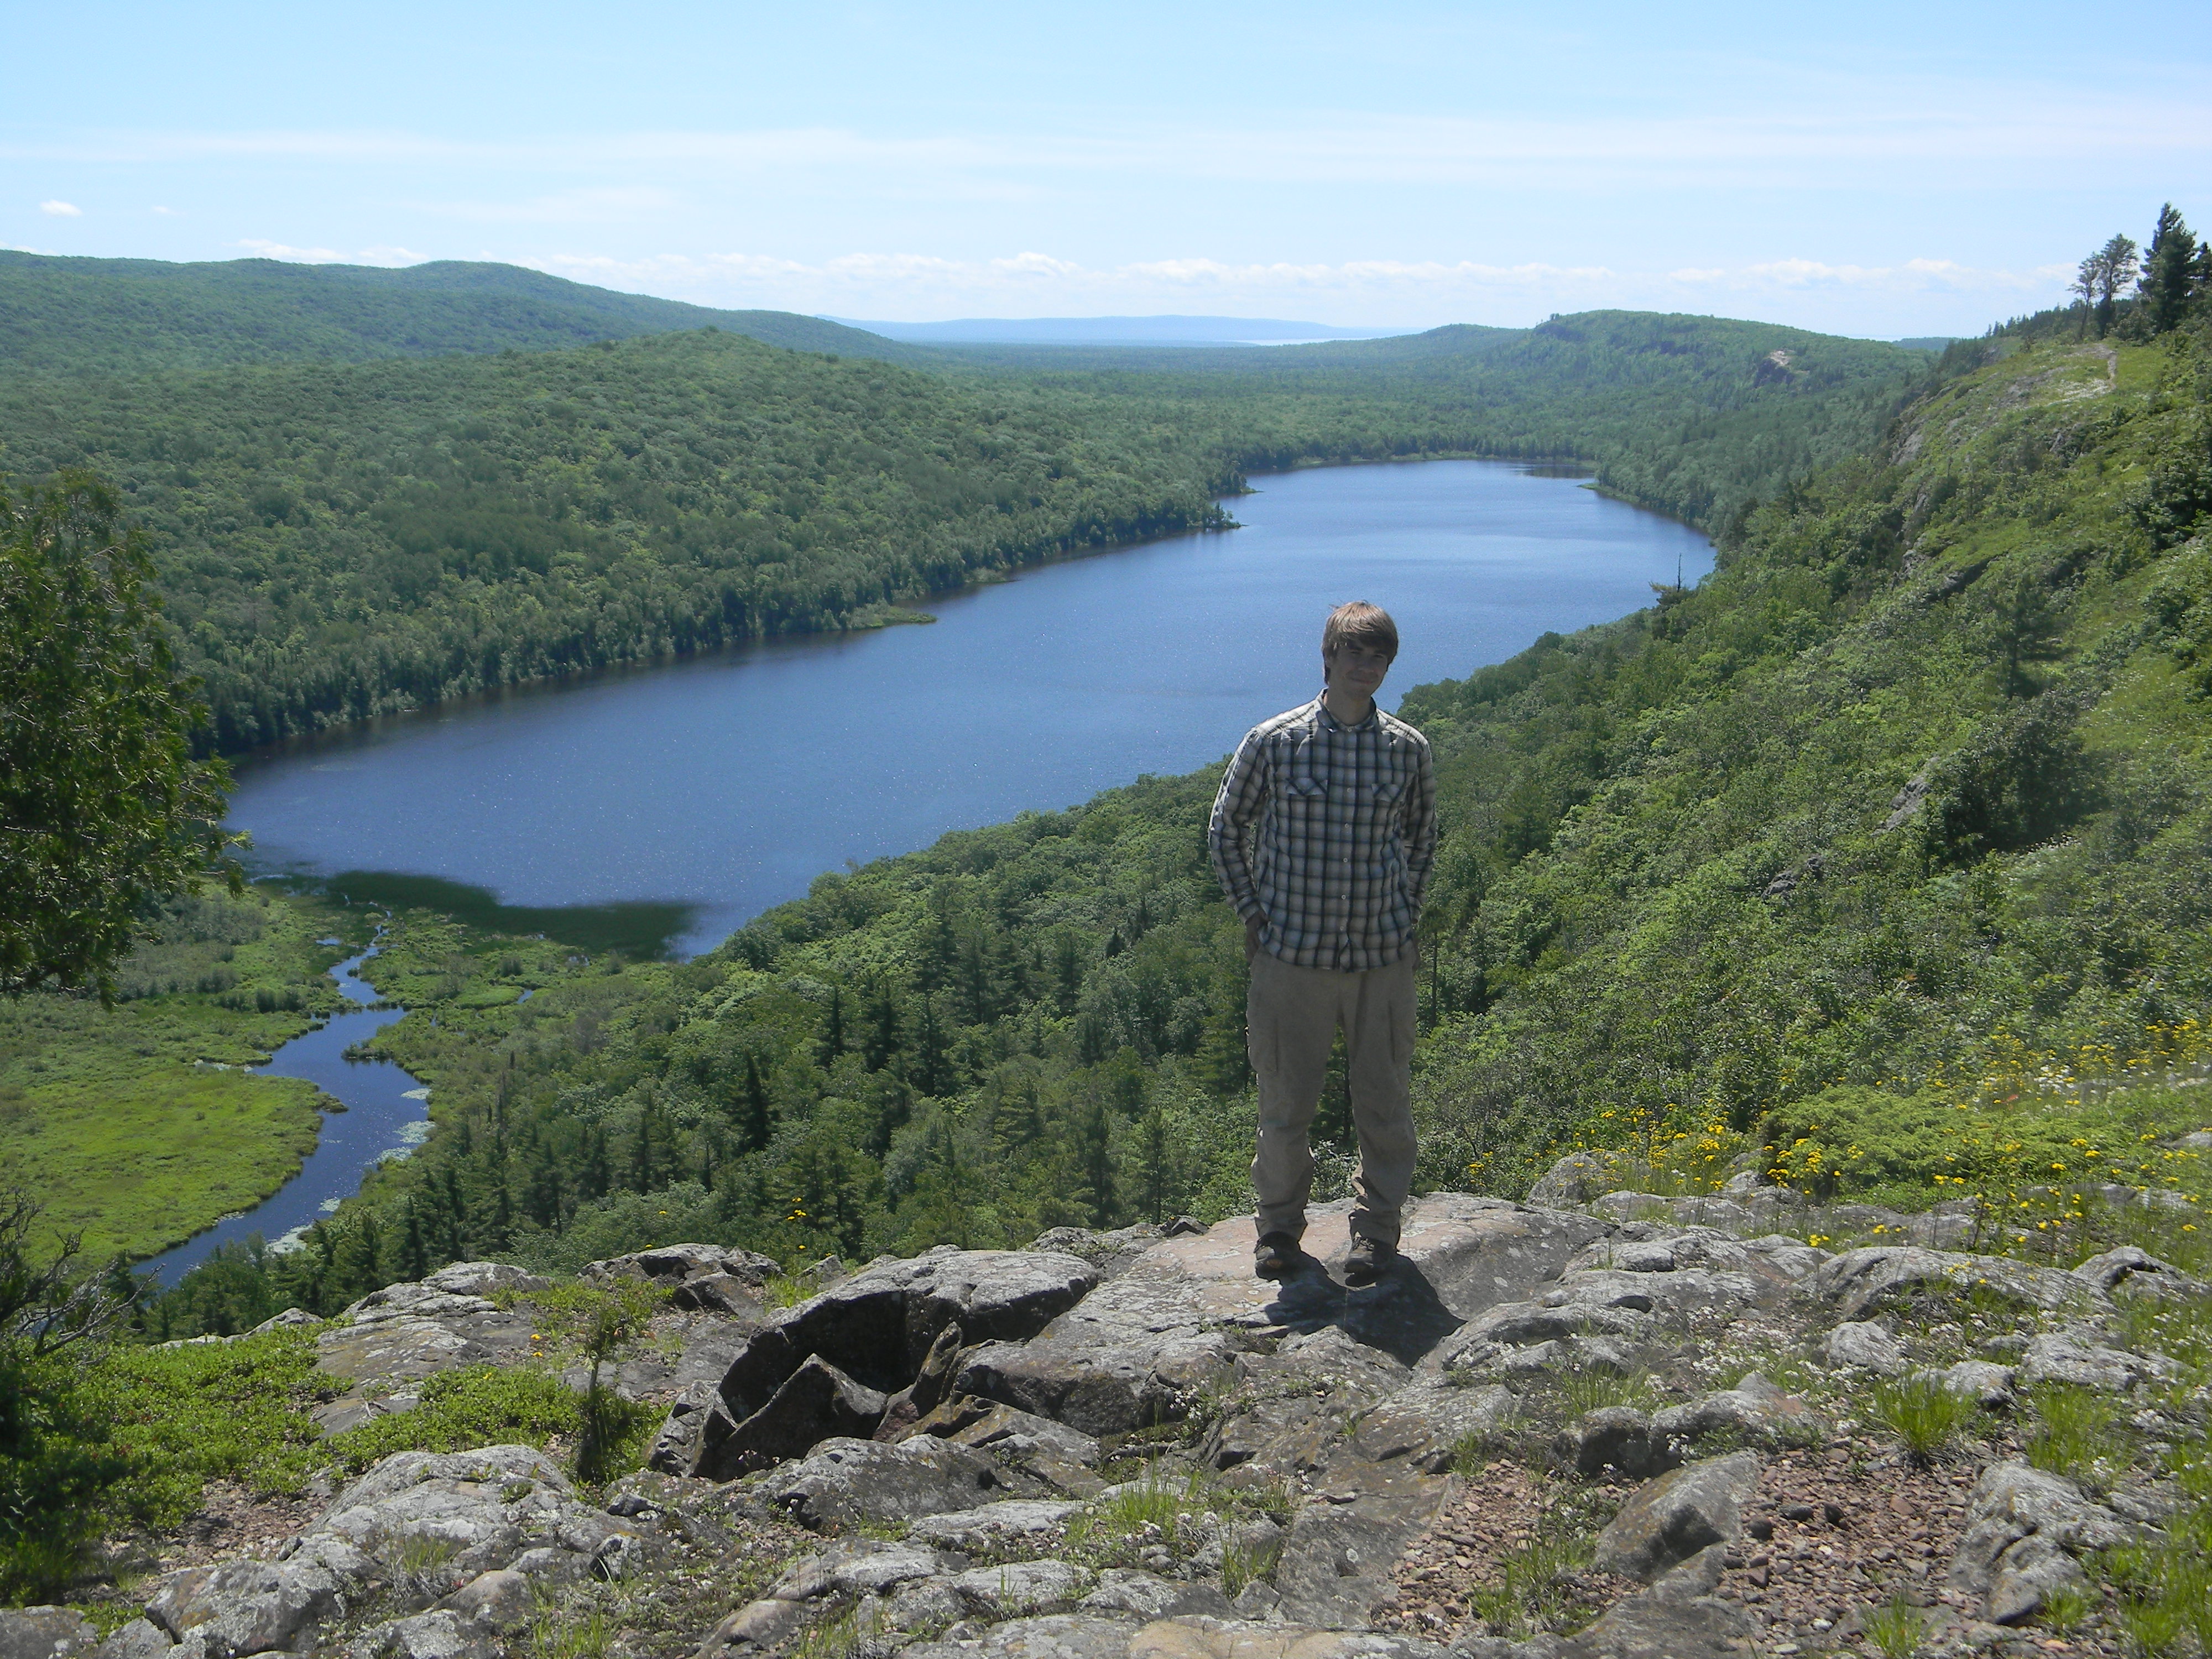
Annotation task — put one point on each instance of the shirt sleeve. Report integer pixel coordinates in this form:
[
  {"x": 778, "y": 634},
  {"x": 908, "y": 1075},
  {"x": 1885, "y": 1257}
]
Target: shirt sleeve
[
  {"x": 1235, "y": 809},
  {"x": 1421, "y": 826}
]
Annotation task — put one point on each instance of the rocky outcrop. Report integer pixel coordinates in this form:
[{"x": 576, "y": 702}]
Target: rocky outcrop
[
  {"x": 703, "y": 1277},
  {"x": 1858, "y": 1281},
  {"x": 942, "y": 1448}
]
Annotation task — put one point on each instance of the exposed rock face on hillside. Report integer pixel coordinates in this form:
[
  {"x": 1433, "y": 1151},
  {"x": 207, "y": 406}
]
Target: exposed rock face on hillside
[{"x": 1547, "y": 1433}]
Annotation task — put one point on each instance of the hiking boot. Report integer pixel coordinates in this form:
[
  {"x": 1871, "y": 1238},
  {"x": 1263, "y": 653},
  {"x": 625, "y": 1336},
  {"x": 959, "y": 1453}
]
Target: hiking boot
[
  {"x": 1369, "y": 1257},
  {"x": 1275, "y": 1254}
]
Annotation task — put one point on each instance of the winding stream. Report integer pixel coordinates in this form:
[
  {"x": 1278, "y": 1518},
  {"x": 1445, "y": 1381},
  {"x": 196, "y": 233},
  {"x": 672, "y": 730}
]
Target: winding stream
[{"x": 385, "y": 1113}]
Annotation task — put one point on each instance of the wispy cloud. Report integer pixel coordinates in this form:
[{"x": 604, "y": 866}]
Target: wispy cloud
[
  {"x": 915, "y": 285},
  {"x": 1868, "y": 129},
  {"x": 62, "y": 209}
]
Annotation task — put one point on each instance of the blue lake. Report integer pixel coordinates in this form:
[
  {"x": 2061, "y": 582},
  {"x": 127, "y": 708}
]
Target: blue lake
[{"x": 706, "y": 791}]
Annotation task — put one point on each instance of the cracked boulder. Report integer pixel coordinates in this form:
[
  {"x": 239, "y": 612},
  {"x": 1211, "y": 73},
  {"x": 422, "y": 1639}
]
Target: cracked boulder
[
  {"x": 244, "y": 1607},
  {"x": 842, "y": 1483},
  {"x": 816, "y": 1402},
  {"x": 2024, "y": 1527},
  {"x": 878, "y": 1327}
]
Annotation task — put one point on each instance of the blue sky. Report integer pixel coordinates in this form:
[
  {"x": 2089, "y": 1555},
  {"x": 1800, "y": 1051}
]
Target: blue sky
[{"x": 1877, "y": 169}]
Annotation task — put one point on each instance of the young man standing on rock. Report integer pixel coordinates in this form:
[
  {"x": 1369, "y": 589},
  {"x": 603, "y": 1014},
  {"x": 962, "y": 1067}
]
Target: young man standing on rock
[{"x": 1322, "y": 835}]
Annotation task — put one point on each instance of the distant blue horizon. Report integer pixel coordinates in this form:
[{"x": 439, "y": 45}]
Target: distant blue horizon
[{"x": 1169, "y": 329}]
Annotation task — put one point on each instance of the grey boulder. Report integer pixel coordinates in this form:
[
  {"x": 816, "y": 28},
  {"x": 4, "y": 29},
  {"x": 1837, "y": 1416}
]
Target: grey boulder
[
  {"x": 1668, "y": 1520},
  {"x": 45, "y": 1633},
  {"x": 845, "y": 1483},
  {"x": 1617, "y": 1438},
  {"x": 1857, "y": 1280},
  {"x": 2073, "y": 1355},
  {"x": 1021, "y": 1588},
  {"x": 2131, "y": 1270},
  {"x": 1753, "y": 1407},
  {"x": 488, "y": 1508},
  {"x": 1865, "y": 1345},
  {"x": 248, "y": 1607}
]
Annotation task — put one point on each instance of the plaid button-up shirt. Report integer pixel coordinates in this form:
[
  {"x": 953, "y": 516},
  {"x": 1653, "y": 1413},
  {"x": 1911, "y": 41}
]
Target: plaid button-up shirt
[{"x": 1325, "y": 832}]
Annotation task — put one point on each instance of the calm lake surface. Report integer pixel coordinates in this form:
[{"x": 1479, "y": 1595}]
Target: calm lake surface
[{"x": 684, "y": 799}]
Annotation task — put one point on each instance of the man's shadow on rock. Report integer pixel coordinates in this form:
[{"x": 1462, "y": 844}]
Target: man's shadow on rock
[{"x": 1400, "y": 1314}]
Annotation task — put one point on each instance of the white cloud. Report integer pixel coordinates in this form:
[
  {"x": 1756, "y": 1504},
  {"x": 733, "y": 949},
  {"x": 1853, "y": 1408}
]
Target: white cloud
[
  {"x": 168, "y": 213},
  {"x": 62, "y": 209},
  {"x": 325, "y": 256},
  {"x": 305, "y": 256}
]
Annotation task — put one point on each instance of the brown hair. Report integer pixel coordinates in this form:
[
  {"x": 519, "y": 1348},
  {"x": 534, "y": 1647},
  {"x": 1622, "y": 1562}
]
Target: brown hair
[{"x": 1356, "y": 622}]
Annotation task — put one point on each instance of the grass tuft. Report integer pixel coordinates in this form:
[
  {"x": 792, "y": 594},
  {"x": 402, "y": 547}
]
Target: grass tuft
[
  {"x": 1896, "y": 1629},
  {"x": 2073, "y": 1433},
  {"x": 1921, "y": 1411}
]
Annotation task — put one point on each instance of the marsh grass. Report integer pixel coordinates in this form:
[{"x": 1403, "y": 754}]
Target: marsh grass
[
  {"x": 586, "y": 1635},
  {"x": 1920, "y": 1411},
  {"x": 2064, "y": 1609}
]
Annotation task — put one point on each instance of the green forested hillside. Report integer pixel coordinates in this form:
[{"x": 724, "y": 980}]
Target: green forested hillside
[
  {"x": 1911, "y": 796},
  {"x": 132, "y": 316},
  {"x": 341, "y": 539},
  {"x": 1694, "y": 415}
]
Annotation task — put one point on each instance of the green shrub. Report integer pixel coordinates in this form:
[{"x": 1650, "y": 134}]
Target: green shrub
[
  {"x": 94, "y": 1443},
  {"x": 488, "y": 1406}
]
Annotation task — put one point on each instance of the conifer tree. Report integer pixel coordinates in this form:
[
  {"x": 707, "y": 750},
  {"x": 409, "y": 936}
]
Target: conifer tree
[
  {"x": 2168, "y": 267},
  {"x": 756, "y": 1125}
]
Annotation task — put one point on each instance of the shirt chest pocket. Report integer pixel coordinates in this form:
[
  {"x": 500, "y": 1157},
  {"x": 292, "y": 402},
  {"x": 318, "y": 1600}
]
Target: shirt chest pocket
[{"x": 1384, "y": 791}]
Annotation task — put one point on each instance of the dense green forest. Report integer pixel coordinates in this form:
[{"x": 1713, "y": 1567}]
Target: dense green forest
[
  {"x": 1910, "y": 797},
  {"x": 338, "y": 540},
  {"x": 79, "y": 316}
]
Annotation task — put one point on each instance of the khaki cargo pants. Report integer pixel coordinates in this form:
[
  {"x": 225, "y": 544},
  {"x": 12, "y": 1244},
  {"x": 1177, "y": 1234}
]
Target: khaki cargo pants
[{"x": 1291, "y": 1021}]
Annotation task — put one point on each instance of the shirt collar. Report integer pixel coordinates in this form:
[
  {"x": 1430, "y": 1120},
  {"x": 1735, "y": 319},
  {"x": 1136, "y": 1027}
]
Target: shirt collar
[{"x": 1329, "y": 721}]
